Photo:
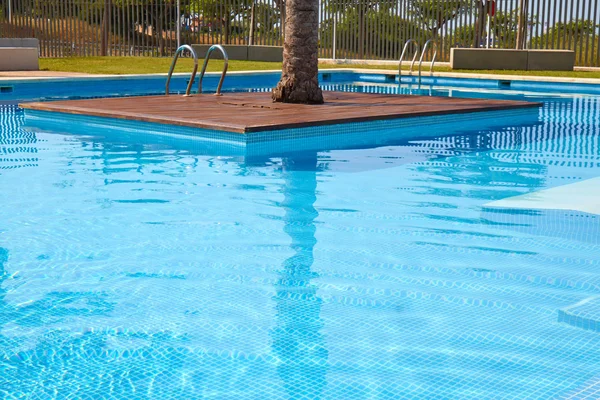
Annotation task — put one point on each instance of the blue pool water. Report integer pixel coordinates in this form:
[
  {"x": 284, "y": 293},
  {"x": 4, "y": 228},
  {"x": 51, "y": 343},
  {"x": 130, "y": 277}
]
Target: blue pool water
[{"x": 147, "y": 267}]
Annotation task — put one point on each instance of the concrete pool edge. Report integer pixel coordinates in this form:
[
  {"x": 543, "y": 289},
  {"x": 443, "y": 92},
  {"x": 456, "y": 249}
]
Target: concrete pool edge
[
  {"x": 13, "y": 91},
  {"x": 426, "y": 76}
]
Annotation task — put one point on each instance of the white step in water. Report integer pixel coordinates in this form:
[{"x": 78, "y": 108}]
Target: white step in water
[
  {"x": 571, "y": 212},
  {"x": 582, "y": 196},
  {"x": 584, "y": 314}
]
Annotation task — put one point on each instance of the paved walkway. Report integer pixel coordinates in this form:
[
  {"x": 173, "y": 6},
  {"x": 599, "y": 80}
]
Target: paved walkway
[
  {"x": 40, "y": 74},
  {"x": 7, "y": 75}
]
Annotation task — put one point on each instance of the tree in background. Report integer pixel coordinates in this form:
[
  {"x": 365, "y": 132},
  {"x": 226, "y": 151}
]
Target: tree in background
[
  {"x": 280, "y": 4},
  {"x": 222, "y": 14},
  {"x": 161, "y": 15},
  {"x": 359, "y": 10},
  {"x": 581, "y": 36},
  {"x": 435, "y": 14},
  {"x": 571, "y": 32},
  {"x": 522, "y": 25},
  {"x": 389, "y": 42},
  {"x": 503, "y": 28},
  {"x": 267, "y": 19}
]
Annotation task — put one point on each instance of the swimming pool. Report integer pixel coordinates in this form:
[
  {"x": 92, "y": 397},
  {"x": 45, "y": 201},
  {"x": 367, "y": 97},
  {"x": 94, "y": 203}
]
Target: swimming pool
[{"x": 139, "y": 266}]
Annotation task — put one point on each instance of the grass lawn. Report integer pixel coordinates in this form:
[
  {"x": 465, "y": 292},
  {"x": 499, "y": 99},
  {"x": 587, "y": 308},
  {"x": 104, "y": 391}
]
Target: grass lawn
[
  {"x": 142, "y": 65},
  {"x": 152, "y": 65}
]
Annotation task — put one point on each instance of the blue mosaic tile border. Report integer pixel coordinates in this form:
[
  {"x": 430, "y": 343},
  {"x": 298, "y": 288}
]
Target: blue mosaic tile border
[
  {"x": 467, "y": 120},
  {"x": 82, "y": 124},
  {"x": 86, "y": 124}
]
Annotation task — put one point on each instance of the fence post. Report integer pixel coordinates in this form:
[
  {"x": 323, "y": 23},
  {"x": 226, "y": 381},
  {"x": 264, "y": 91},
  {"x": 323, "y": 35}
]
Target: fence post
[
  {"x": 487, "y": 36},
  {"x": 283, "y": 17},
  {"x": 252, "y": 16},
  {"x": 521, "y": 27},
  {"x": 99, "y": 27},
  {"x": 479, "y": 23},
  {"x": 361, "y": 30},
  {"x": 334, "y": 34},
  {"x": 105, "y": 22},
  {"x": 178, "y": 23}
]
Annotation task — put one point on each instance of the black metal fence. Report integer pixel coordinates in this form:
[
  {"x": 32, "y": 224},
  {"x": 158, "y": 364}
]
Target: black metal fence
[
  {"x": 357, "y": 29},
  {"x": 378, "y": 29}
]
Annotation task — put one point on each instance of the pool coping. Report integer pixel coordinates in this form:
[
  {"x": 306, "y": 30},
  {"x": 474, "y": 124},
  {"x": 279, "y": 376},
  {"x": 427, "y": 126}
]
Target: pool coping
[
  {"x": 463, "y": 75},
  {"x": 500, "y": 77}
]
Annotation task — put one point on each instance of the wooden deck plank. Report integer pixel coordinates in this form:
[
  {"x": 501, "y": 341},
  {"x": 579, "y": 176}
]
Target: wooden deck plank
[{"x": 254, "y": 112}]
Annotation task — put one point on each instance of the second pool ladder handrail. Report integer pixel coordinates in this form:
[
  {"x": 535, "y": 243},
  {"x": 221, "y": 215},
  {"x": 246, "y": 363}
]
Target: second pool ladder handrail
[
  {"x": 193, "y": 77},
  {"x": 432, "y": 60},
  {"x": 225, "y": 66},
  {"x": 412, "y": 64},
  {"x": 175, "y": 58}
]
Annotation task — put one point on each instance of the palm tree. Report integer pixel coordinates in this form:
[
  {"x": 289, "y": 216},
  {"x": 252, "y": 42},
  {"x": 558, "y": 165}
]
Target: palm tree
[{"x": 299, "y": 81}]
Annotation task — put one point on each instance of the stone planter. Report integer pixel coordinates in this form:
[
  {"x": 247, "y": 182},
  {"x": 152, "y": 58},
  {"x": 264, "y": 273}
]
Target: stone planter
[
  {"x": 244, "y": 53},
  {"x": 523, "y": 60}
]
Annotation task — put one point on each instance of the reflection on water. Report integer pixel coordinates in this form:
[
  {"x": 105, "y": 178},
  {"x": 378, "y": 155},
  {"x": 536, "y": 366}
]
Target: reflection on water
[
  {"x": 18, "y": 148},
  {"x": 297, "y": 337},
  {"x": 170, "y": 268}
]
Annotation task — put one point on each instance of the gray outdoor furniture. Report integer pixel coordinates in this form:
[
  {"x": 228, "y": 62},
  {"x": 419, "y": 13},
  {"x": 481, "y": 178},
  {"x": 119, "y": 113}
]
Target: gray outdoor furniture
[{"x": 19, "y": 54}]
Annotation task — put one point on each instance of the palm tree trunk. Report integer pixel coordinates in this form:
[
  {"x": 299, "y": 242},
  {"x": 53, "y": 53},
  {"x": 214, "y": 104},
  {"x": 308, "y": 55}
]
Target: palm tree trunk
[{"x": 299, "y": 81}]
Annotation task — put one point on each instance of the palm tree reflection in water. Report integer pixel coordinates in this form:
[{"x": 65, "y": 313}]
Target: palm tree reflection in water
[
  {"x": 297, "y": 338},
  {"x": 3, "y": 276}
]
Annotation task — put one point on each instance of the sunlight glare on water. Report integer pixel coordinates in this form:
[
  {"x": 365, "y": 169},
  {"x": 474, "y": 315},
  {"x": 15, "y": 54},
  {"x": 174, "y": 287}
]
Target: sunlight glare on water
[{"x": 152, "y": 268}]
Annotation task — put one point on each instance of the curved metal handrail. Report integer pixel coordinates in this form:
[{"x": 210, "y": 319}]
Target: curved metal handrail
[
  {"x": 412, "y": 64},
  {"x": 423, "y": 55},
  {"x": 225, "y": 66},
  {"x": 175, "y": 57}
]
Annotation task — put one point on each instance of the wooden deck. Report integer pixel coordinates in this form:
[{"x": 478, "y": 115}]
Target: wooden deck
[{"x": 255, "y": 112}]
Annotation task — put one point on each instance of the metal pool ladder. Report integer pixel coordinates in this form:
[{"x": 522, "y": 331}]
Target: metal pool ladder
[
  {"x": 416, "y": 45},
  {"x": 193, "y": 77},
  {"x": 225, "y": 66},
  {"x": 432, "y": 60},
  {"x": 175, "y": 58}
]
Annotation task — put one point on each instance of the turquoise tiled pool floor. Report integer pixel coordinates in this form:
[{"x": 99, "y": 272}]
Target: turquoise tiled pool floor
[{"x": 150, "y": 267}]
